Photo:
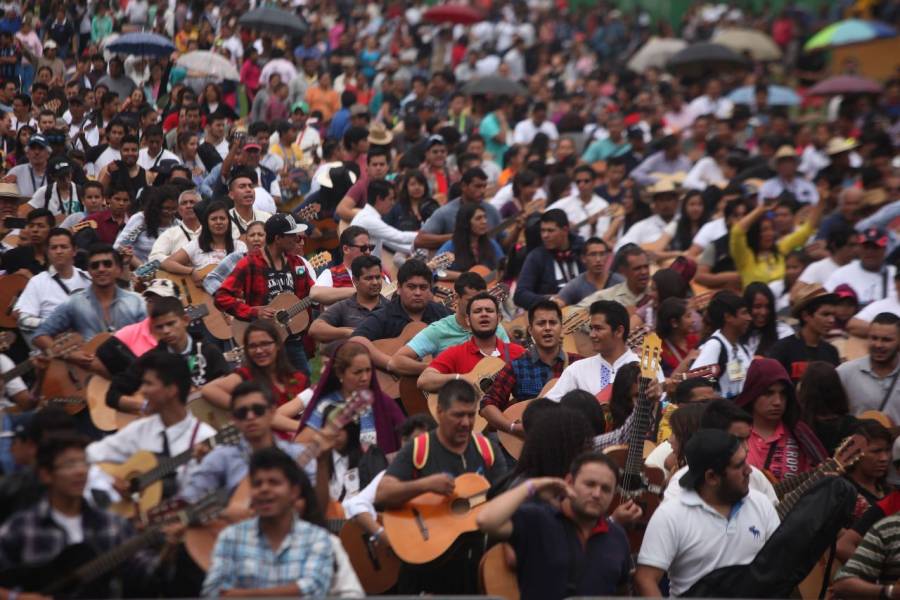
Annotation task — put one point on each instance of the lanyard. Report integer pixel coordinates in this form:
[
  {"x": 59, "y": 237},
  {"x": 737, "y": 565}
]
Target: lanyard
[{"x": 34, "y": 185}]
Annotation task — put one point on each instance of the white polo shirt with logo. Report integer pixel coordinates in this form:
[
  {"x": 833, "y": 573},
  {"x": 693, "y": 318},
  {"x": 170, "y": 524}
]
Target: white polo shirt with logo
[{"x": 687, "y": 538}]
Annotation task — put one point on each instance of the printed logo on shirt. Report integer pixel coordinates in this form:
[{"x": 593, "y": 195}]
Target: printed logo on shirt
[{"x": 755, "y": 532}]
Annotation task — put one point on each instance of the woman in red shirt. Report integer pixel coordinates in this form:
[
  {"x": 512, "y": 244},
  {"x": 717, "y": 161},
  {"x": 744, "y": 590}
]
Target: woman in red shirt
[{"x": 675, "y": 325}]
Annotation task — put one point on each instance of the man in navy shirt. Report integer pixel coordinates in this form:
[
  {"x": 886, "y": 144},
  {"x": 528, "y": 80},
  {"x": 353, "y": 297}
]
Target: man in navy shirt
[{"x": 563, "y": 547}]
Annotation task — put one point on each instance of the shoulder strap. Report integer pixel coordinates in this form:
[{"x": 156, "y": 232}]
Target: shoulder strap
[
  {"x": 890, "y": 391},
  {"x": 64, "y": 287},
  {"x": 484, "y": 449},
  {"x": 421, "y": 447}
]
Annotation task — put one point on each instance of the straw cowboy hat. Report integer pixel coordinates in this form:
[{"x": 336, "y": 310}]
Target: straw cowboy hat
[
  {"x": 11, "y": 190},
  {"x": 838, "y": 145},
  {"x": 806, "y": 296},
  {"x": 379, "y": 134}
]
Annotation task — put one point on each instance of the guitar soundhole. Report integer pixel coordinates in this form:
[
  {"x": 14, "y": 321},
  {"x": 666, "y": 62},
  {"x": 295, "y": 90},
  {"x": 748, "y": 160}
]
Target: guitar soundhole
[
  {"x": 460, "y": 506},
  {"x": 484, "y": 384},
  {"x": 282, "y": 317}
]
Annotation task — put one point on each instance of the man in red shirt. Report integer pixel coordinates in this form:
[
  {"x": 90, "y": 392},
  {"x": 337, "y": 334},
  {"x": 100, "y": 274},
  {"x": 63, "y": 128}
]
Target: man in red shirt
[
  {"x": 483, "y": 313},
  {"x": 260, "y": 276}
]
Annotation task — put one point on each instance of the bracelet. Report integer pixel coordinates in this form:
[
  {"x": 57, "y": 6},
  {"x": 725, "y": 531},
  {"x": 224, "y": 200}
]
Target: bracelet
[
  {"x": 144, "y": 406},
  {"x": 531, "y": 489},
  {"x": 512, "y": 426},
  {"x": 375, "y": 536}
]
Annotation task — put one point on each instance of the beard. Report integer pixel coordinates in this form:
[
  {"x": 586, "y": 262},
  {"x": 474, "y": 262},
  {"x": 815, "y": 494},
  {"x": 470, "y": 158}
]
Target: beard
[
  {"x": 484, "y": 335},
  {"x": 731, "y": 494}
]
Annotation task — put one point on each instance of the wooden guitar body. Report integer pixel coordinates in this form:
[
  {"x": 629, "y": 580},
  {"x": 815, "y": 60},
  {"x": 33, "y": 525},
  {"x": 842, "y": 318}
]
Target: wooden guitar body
[
  {"x": 139, "y": 463},
  {"x": 289, "y": 325},
  {"x": 103, "y": 416},
  {"x": 327, "y": 238},
  {"x": 482, "y": 377},
  {"x": 496, "y": 576},
  {"x": 390, "y": 384},
  {"x": 576, "y": 340},
  {"x": 65, "y": 384},
  {"x": 511, "y": 443},
  {"x": 11, "y": 287},
  {"x": 376, "y": 565},
  {"x": 646, "y": 492},
  {"x": 429, "y": 524},
  {"x": 193, "y": 294},
  {"x": 214, "y": 416}
]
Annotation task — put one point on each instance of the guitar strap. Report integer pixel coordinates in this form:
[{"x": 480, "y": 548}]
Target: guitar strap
[
  {"x": 890, "y": 390},
  {"x": 770, "y": 455},
  {"x": 59, "y": 282}
]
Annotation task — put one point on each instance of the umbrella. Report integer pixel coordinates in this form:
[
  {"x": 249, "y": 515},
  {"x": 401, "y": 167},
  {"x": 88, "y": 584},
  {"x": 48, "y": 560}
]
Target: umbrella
[
  {"x": 207, "y": 63},
  {"x": 759, "y": 45},
  {"x": 282, "y": 66},
  {"x": 273, "y": 20},
  {"x": 850, "y": 31},
  {"x": 778, "y": 96},
  {"x": 494, "y": 84},
  {"x": 655, "y": 53},
  {"x": 845, "y": 84},
  {"x": 142, "y": 43},
  {"x": 700, "y": 58},
  {"x": 454, "y": 13}
]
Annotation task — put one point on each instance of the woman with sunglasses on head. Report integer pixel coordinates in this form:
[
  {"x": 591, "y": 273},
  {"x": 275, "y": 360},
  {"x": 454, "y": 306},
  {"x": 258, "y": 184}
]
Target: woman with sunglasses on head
[
  {"x": 471, "y": 244},
  {"x": 350, "y": 370},
  {"x": 265, "y": 362},
  {"x": 214, "y": 243}
]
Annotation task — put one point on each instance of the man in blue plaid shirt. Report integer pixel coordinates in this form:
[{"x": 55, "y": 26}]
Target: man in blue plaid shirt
[{"x": 275, "y": 553}]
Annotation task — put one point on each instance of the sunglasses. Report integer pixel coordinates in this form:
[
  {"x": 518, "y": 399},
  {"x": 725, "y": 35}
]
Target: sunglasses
[
  {"x": 243, "y": 412},
  {"x": 96, "y": 264},
  {"x": 364, "y": 247}
]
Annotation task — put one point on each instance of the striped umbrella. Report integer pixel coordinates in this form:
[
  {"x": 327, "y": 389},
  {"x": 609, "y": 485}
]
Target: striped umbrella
[{"x": 849, "y": 31}]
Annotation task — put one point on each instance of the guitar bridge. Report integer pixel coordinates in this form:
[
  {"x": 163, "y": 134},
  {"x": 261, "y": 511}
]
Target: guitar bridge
[{"x": 420, "y": 523}]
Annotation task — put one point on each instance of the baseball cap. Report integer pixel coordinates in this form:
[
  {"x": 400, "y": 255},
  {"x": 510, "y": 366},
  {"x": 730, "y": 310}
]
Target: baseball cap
[
  {"x": 38, "y": 140},
  {"x": 283, "y": 224},
  {"x": 872, "y": 235},
  {"x": 164, "y": 288},
  {"x": 300, "y": 105},
  {"x": 845, "y": 292},
  {"x": 49, "y": 44},
  {"x": 435, "y": 140},
  {"x": 707, "y": 449},
  {"x": 59, "y": 164},
  {"x": 252, "y": 146}
]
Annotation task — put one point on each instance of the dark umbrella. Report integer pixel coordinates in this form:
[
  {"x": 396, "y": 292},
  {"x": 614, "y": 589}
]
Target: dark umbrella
[
  {"x": 845, "y": 84},
  {"x": 454, "y": 13},
  {"x": 142, "y": 43},
  {"x": 273, "y": 20},
  {"x": 700, "y": 58},
  {"x": 495, "y": 85}
]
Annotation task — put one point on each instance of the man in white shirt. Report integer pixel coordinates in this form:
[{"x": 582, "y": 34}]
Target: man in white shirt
[
  {"x": 584, "y": 205},
  {"x": 608, "y": 332},
  {"x": 787, "y": 180},
  {"x": 169, "y": 429},
  {"x": 526, "y": 129},
  {"x": 186, "y": 228},
  {"x": 115, "y": 132},
  {"x": 717, "y": 521},
  {"x": 711, "y": 103},
  {"x": 45, "y": 291},
  {"x": 728, "y": 313},
  {"x": 665, "y": 211},
  {"x": 242, "y": 191},
  {"x": 843, "y": 247},
  {"x": 379, "y": 201},
  {"x": 869, "y": 276},
  {"x": 153, "y": 152},
  {"x": 859, "y": 324}
]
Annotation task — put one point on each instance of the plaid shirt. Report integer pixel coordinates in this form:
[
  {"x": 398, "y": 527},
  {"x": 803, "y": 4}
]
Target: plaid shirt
[
  {"x": 247, "y": 287},
  {"x": 243, "y": 559},
  {"x": 524, "y": 378},
  {"x": 31, "y": 537}
]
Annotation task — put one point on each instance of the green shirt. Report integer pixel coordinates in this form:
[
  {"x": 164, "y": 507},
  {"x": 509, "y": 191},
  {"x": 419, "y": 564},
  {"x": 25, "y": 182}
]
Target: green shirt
[
  {"x": 442, "y": 334},
  {"x": 877, "y": 559}
]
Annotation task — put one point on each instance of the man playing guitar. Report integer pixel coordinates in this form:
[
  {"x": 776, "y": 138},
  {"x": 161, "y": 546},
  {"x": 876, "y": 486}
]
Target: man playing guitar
[
  {"x": 429, "y": 464},
  {"x": 526, "y": 376},
  {"x": 483, "y": 313},
  {"x": 260, "y": 276},
  {"x": 335, "y": 283}
]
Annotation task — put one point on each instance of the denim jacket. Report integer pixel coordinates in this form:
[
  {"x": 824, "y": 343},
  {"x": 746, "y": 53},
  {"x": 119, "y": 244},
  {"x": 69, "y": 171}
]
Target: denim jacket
[{"x": 83, "y": 314}]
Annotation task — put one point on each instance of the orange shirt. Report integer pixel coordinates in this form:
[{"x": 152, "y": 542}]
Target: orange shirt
[{"x": 326, "y": 101}]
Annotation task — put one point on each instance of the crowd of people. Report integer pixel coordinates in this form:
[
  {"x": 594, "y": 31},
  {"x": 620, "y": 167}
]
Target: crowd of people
[{"x": 392, "y": 254}]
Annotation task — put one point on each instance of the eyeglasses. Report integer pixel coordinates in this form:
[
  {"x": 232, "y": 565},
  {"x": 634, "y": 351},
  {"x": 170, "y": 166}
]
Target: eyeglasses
[
  {"x": 243, "y": 412},
  {"x": 260, "y": 345},
  {"x": 96, "y": 264},
  {"x": 363, "y": 247}
]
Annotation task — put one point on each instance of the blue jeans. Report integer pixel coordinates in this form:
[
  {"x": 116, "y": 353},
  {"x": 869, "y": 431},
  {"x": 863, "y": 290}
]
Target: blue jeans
[{"x": 297, "y": 355}]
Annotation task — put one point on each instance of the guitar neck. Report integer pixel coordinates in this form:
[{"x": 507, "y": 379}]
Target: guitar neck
[
  {"x": 299, "y": 307},
  {"x": 167, "y": 465},
  {"x": 17, "y": 371},
  {"x": 791, "y": 489},
  {"x": 634, "y": 463}
]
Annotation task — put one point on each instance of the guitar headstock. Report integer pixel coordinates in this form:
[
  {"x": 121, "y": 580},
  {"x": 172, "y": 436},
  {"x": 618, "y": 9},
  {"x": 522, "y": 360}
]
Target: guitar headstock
[
  {"x": 147, "y": 271},
  {"x": 500, "y": 292},
  {"x": 445, "y": 296},
  {"x": 707, "y": 372},
  {"x": 227, "y": 436},
  {"x": 851, "y": 450},
  {"x": 196, "y": 311},
  {"x": 179, "y": 511},
  {"x": 308, "y": 212},
  {"x": 636, "y": 338},
  {"x": 235, "y": 355},
  {"x": 320, "y": 260},
  {"x": 701, "y": 301},
  {"x": 651, "y": 350},
  {"x": 355, "y": 405},
  {"x": 441, "y": 261},
  {"x": 7, "y": 339},
  {"x": 63, "y": 344}
]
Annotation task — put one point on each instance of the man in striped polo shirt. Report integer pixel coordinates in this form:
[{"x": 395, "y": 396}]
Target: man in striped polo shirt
[{"x": 875, "y": 566}]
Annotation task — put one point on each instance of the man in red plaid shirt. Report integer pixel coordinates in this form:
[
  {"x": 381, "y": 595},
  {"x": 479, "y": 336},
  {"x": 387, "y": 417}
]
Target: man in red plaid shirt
[{"x": 260, "y": 276}]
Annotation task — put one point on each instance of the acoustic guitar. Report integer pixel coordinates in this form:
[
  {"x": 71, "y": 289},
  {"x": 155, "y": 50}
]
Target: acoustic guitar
[
  {"x": 200, "y": 541},
  {"x": 144, "y": 473},
  {"x": 65, "y": 384},
  {"x": 430, "y": 523},
  {"x": 512, "y": 443},
  {"x": 376, "y": 565},
  {"x": 11, "y": 287},
  {"x": 390, "y": 384},
  {"x": 292, "y": 313},
  {"x": 643, "y": 484},
  {"x": 78, "y": 571},
  {"x": 481, "y": 378},
  {"x": 193, "y": 294},
  {"x": 496, "y": 577},
  {"x": 437, "y": 263}
]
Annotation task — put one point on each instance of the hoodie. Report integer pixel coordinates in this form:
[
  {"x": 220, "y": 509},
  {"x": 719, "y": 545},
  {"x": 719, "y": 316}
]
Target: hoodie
[{"x": 789, "y": 438}]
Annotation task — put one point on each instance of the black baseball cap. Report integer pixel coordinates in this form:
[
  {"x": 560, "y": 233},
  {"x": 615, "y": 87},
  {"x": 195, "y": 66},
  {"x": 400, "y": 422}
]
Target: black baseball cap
[
  {"x": 707, "y": 449},
  {"x": 283, "y": 224},
  {"x": 59, "y": 165}
]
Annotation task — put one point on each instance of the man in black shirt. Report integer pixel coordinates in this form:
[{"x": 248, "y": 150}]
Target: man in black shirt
[
  {"x": 30, "y": 257},
  {"x": 814, "y": 307},
  {"x": 429, "y": 464}
]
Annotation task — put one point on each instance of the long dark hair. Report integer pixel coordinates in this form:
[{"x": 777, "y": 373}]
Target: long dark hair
[
  {"x": 284, "y": 371},
  {"x": 552, "y": 443},
  {"x": 684, "y": 237},
  {"x": 621, "y": 404},
  {"x": 640, "y": 209},
  {"x": 153, "y": 199},
  {"x": 462, "y": 241},
  {"x": 753, "y": 235},
  {"x": 769, "y": 331},
  {"x": 403, "y": 192},
  {"x": 205, "y": 240},
  {"x": 669, "y": 309},
  {"x": 821, "y": 394}
]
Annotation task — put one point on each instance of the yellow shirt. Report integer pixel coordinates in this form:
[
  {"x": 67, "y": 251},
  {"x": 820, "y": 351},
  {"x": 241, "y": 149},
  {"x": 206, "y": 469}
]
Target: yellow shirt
[{"x": 770, "y": 267}]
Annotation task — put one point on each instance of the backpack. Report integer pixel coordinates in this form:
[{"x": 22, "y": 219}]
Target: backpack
[{"x": 422, "y": 448}]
